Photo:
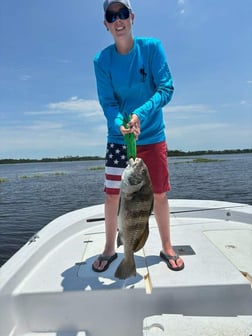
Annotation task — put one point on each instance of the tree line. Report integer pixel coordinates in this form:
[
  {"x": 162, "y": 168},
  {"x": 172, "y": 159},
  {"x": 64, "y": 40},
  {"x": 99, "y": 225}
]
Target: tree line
[{"x": 171, "y": 153}]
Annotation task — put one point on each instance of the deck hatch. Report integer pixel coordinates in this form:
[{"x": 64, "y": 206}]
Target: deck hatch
[{"x": 184, "y": 250}]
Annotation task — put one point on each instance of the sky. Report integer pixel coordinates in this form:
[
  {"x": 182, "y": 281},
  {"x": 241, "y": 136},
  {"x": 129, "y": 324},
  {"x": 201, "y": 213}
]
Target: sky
[{"x": 48, "y": 99}]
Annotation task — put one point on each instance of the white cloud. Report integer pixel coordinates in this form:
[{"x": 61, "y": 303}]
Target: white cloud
[
  {"x": 204, "y": 136},
  {"x": 44, "y": 125},
  {"x": 64, "y": 61},
  {"x": 57, "y": 130},
  {"x": 199, "y": 127},
  {"x": 44, "y": 112},
  {"x": 43, "y": 139},
  {"x": 83, "y": 107},
  {"x": 75, "y": 104},
  {"x": 195, "y": 128},
  {"x": 186, "y": 112},
  {"x": 77, "y": 127},
  {"x": 188, "y": 108},
  {"x": 26, "y": 77},
  {"x": 181, "y": 4}
]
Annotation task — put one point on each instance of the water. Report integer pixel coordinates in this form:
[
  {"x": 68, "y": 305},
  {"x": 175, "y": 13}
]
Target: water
[{"x": 33, "y": 194}]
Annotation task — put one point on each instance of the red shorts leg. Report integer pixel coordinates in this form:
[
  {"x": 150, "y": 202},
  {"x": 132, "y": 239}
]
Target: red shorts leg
[{"x": 155, "y": 158}]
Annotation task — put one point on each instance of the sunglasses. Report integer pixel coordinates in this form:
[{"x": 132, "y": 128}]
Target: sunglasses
[{"x": 122, "y": 14}]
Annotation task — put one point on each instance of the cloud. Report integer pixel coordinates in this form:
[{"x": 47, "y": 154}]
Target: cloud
[
  {"x": 84, "y": 107},
  {"x": 44, "y": 112},
  {"x": 188, "y": 108},
  {"x": 25, "y": 77},
  {"x": 48, "y": 139},
  {"x": 87, "y": 107},
  {"x": 181, "y": 4},
  {"x": 186, "y": 112},
  {"x": 204, "y": 136},
  {"x": 71, "y": 127},
  {"x": 75, "y": 104},
  {"x": 198, "y": 128},
  {"x": 77, "y": 126},
  {"x": 64, "y": 61},
  {"x": 44, "y": 125}
]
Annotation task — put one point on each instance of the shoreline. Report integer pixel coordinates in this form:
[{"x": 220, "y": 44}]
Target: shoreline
[{"x": 172, "y": 153}]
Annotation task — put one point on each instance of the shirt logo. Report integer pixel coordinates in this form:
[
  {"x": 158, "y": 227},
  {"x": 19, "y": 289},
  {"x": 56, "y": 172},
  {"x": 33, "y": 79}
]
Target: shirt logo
[{"x": 143, "y": 74}]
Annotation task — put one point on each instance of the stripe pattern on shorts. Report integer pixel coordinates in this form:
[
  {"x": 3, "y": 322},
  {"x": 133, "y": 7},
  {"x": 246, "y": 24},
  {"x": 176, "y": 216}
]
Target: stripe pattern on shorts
[{"x": 116, "y": 161}]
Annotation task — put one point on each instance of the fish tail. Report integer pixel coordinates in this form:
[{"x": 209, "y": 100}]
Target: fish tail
[{"x": 126, "y": 269}]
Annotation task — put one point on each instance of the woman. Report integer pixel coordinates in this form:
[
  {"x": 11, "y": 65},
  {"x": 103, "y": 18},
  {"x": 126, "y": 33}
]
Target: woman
[{"x": 133, "y": 84}]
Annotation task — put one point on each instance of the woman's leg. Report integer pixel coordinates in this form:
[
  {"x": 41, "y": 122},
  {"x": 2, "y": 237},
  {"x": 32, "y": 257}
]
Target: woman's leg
[
  {"x": 111, "y": 210},
  {"x": 162, "y": 215}
]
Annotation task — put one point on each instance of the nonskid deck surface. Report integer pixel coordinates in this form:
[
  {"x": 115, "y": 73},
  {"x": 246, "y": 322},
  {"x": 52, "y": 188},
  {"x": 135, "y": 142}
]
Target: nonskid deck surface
[
  {"x": 221, "y": 250},
  {"x": 57, "y": 291}
]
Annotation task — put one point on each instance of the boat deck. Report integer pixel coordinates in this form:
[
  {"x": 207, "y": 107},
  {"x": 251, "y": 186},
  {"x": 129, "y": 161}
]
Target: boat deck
[
  {"x": 57, "y": 293},
  {"x": 220, "y": 257}
]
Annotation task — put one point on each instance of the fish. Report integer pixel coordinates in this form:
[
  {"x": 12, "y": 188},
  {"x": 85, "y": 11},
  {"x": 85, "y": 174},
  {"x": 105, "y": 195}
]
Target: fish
[{"x": 135, "y": 207}]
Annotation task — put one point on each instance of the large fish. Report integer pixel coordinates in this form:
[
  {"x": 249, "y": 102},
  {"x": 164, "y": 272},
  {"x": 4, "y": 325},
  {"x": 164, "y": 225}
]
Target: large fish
[{"x": 135, "y": 206}]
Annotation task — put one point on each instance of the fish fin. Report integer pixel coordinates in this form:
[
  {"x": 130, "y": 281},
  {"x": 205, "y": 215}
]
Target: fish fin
[
  {"x": 119, "y": 206},
  {"x": 119, "y": 240},
  {"x": 126, "y": 269},
  {"x": 140, "y": 243}
]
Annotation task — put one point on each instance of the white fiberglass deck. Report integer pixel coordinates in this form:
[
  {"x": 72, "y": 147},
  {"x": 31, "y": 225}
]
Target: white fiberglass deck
[{"x": 54, "y": 290}]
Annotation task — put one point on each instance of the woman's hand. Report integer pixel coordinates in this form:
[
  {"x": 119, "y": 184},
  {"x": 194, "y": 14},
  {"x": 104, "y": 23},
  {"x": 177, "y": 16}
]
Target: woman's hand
[{"x": 133, "y": 126}]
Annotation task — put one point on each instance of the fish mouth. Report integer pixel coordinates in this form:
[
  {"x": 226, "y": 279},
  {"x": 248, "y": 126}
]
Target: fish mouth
[
  {"x": 135, "y": 163},
  {"x": 131, "y": 162}
]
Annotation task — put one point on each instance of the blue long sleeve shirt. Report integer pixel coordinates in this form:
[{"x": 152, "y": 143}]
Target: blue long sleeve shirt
[{"x": 139, "y": 82}]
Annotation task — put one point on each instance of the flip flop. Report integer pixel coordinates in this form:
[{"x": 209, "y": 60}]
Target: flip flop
[
  {"x": 166, "y": 258},
  {"x": 102, "y": 258}
]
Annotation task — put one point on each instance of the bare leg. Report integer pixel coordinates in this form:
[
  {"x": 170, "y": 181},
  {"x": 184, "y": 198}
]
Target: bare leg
[
  {"x": 111, "y": 209},
  {"x": 162, "y": 214}
]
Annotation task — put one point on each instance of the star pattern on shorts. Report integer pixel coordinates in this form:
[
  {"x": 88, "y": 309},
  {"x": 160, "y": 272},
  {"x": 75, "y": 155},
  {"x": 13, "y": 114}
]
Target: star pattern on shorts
[{"x": 116, "y": 155}]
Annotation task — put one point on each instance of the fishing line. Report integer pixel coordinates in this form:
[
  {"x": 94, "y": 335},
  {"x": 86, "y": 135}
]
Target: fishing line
[{"x": 99, "y": 219}]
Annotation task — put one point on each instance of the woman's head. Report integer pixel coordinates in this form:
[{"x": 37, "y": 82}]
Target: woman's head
[{"x": 118, "y": 18}]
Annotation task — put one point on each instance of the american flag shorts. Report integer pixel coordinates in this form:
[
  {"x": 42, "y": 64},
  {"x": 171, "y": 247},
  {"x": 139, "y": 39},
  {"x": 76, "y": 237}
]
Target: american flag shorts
[
  {"x": 155, "y": 158},
  {"x": 116, "y": 161}
]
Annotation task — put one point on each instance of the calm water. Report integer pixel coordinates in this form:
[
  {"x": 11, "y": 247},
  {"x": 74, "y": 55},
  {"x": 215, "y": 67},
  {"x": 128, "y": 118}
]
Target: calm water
[{"x": 33, "y": 194}]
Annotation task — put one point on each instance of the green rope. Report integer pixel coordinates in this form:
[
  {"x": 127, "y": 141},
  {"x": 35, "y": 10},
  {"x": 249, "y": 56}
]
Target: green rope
[{"x": 130, "y": 141}]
